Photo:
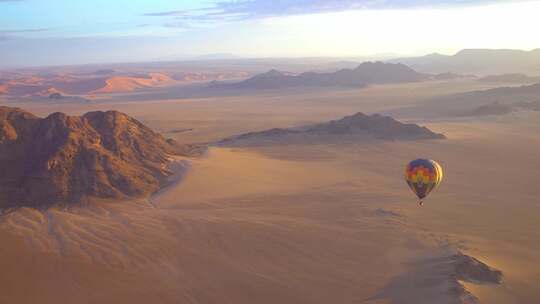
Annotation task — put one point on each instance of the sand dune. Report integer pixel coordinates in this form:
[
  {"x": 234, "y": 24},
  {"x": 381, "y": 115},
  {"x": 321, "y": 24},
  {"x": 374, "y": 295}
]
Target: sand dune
[
  {"x": 50, "y": 91},
  {"x": 68, "y": 86},
  {"x": 438, "y": 280},
  {"x": 24, "y": 85},
  {"x": 79, "y": 86},
  {"x": 127, "y": 84},
  {"x": 209, "y": 76}
]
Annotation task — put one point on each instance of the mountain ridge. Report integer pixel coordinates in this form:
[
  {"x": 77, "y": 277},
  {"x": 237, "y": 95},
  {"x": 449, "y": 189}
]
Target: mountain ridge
[
  {"x": 476, "y": 61},
  {"x": 364, "y": 74},
  {"x": 354, "y": 128}
]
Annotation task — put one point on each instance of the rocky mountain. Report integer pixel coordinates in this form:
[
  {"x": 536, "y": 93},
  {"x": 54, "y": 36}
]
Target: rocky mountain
[
  {"x": 473, "y": 103},
  {"x": 62, "y": 159},
  {"x": 528, "y": 105},
  {"x": 477, "y": 61},
  {"x": 494, "y": 108},
  {"x": 510, "y": 78},
  {"x": 470, "y": 269},
  {"x": 460, "y": 103},
  {"x": 450, "y": 76},
  {"x": 216, "y": 56},
  {"x": 365, "y": 74},
  {"x": 355, "y": 128},
  {"x": 497, "y": 108}
]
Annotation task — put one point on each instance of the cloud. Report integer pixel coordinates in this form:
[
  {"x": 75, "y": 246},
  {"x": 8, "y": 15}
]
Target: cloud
[
  {"x": 178, "y": 25},
  {"x": 169, "y": 13},
  {"x": 237, "y": 10},
  {"x": 21, "y": 31},
  {"x": 11, "y": 34}
]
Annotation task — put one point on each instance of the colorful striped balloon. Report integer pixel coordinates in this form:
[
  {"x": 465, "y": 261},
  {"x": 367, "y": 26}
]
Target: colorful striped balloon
[{"x": 422, "y": 176}]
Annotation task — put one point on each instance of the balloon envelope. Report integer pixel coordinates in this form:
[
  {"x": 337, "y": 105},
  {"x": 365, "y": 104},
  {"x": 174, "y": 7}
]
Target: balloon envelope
[{"x": 422, "y": 176}]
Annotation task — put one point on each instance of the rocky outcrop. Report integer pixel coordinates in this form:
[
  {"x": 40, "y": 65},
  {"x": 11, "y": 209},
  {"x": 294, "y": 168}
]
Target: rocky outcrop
[
  {"x": 62, "y": 159},
  {"x": 356, "y": 128}
]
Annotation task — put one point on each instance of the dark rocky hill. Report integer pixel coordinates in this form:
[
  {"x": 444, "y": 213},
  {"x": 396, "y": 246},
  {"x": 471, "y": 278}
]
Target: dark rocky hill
[
  {"x": 498, "y": 109},
  {"x": 510, "y": 78},
  {"x": 355, "y": 128},
  {"x": 61, "y": 158}
]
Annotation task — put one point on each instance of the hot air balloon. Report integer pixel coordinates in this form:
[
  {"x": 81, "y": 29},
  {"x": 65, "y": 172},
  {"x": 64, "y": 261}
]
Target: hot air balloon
[{"x": 422, "y": 176}]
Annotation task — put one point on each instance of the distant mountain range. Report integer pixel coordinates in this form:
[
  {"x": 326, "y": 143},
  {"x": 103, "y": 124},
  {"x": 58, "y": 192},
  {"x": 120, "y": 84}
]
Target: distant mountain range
[
  {"x": 497, "y": 108},
  {"x": 216, "y": 56},
  {"x": 450, "y": 75},
  {"x": 474, "y": 103},
  {"x": 355, "y": 128},
  {"x": 510, "y": 78},
  {"x": 365, "y": 74},
  {"x": 526, "y": 93},
  {"x": 477, "y": 61},
  {"x": 62, "y": 159}
]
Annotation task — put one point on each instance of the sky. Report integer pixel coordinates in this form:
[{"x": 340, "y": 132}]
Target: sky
[{"x": 58, "y": 32}]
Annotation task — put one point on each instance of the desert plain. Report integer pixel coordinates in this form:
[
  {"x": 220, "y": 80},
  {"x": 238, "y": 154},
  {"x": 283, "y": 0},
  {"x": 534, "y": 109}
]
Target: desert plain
[{"x": 294, "y": 223}]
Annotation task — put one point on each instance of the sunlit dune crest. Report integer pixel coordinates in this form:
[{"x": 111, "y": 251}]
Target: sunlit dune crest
[
  {"x": 128, "y": 84},
  {"x": 50, "y": 92}
]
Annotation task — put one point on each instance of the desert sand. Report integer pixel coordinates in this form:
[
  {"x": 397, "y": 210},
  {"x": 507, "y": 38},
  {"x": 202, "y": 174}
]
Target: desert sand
[
  {"x": 120, "y": 84},
  {"x": 295, "y": 223}
]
